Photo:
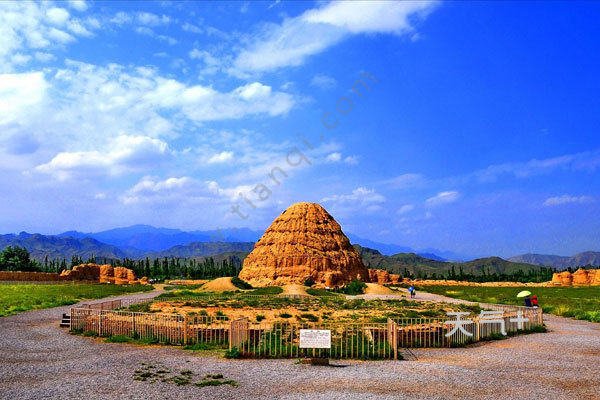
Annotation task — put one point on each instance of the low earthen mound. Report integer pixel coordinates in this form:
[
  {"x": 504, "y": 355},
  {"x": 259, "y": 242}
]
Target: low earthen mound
[
  {"x": 383, "y": 277},
  {"x": 102, "y": 274},
  {"x": 375, "y": 288},
  {"x": 294, "y": 290},
  {"x": 219, "y": 285},
  {"x": 583, "y": 277},
  {"x": 304, "y": 242}
]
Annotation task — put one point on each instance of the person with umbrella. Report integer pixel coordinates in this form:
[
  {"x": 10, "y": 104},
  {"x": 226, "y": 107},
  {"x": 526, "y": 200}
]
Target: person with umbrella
[{"x": 526, "y": 294}]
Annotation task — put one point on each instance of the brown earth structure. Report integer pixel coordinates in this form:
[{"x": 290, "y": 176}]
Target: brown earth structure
[
  {"x": 583, "y": 277},
  {"x": 103, "y": 274},
  {"x": 304, "y": 242}
]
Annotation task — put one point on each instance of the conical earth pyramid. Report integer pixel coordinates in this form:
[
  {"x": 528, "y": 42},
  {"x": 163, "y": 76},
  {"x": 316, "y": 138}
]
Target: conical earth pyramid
[{"x": 304, "y": 242}]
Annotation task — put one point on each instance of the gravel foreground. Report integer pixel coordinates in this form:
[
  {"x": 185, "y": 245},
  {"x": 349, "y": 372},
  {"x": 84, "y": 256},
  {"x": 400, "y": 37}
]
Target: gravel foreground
[{"x": 38, "y": 360}]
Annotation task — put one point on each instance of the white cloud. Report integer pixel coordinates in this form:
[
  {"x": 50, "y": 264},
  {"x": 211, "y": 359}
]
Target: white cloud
[
  {"x": 405, "y": 181},
  {"x": 174, "y": 190},
  {"x": 253, "y": 90},
  {"x": 442, "y": 198},
  {"x": 125, "y": 153},
  {"x": 44, "y": 57},
  {"x": 121, "y": 18},
  {"x": 57, "y": 16},
  {"x": 292, "y": 41},
  {"x": 360, "y": 197},
  {"x": 191, "y": 28},
  {"x": 146, "y": 18},
  {"x": 405, "y": 209},
  {"x": 221, "y": 157},
  {"x": 20, "y": 59},
  {"x": 584, "y": 161},
  {"x": 79, "y": 5},
  {"x": 333, "y": 157},
  {"x": 566, "y": 199},
  {"x": 28, "y": 25},
  {"x": 323, "y": 82},
  {"x": 352, "y": 160},
  {"x": 20, "y": 95}
]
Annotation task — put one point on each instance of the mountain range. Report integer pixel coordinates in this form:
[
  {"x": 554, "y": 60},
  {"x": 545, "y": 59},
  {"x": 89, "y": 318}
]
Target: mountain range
[
  {"x": 560, "y": 262},
  {"x": 416, "y": 264},
  {"x": 150, "y": 239}
]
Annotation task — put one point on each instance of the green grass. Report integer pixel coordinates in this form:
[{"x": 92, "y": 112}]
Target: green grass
[
  {"x": 266, "y": 291},
  {"x": 322, "y": 292},
  {"x": 18, "y": 298},
  {"x": 574, "y": 302}
]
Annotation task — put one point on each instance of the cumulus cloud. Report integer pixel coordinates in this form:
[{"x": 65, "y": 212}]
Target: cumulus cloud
[
  {"x": 566, "y": 199},
  {"x": 125, "y": 153},
  {"x": 361, "y": 197},
  {"x": 442, "y": 198},
  {"x": 28, "y": 25},
  {"x": 179, "y": 190},
  {"x": 20, "y": 94},
  {"x": 221, "y": 157},
  {"x": 295, "y": 39},
  {"x": 333, "y": 157}
]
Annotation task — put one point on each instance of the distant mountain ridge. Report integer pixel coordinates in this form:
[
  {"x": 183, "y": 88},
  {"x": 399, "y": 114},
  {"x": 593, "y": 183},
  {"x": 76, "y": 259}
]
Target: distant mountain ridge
[
  {"x": 415, "y": 264},
  {"x": 40, "y": 246},
  {"x": 149, "y": 238},
  {"x": 560, "y": 262}
]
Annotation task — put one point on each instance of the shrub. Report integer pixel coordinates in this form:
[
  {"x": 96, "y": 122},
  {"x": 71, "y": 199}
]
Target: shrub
[
  {"x": 310, "y": 317},
  {"x": 259, "y": 318},
  {"x": 118, "y": 339},
  {"x": 240, "y": 284},
  {"x": 309, "y": 282},
  {"x": 233, "y": 353},
  {"x": 354, "y": 288},
  {"x": 285, "y": 315}
]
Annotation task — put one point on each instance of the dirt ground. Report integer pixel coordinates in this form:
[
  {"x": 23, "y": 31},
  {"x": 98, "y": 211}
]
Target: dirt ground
[
  {"x": 374, "y": 288},
  {"x": 38, "y": 360},
  {"x": 294, "y": 290}
]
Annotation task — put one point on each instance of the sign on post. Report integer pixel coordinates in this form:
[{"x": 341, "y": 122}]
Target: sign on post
[{"x": 315, "y": 339}]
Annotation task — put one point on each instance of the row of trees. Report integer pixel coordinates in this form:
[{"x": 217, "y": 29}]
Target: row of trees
[
  {"x": 541, "y": 274},
  {"x": 18, "y": 259}
]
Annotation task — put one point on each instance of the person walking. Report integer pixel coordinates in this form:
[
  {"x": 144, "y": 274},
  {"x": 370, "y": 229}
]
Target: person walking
[
  {"x": 413, "y": 293},
  {"x": 527, "y": 302}
]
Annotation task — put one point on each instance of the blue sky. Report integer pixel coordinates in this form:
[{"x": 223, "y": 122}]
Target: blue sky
[{"x": 478, "y": 131}]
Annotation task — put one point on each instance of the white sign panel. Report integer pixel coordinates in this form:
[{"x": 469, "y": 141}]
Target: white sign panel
[{"x": 315, "y": 339}]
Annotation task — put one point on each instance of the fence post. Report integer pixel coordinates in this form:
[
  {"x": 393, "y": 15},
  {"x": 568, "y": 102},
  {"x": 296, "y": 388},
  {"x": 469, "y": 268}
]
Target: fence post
[{"x": 185, "y": 329}]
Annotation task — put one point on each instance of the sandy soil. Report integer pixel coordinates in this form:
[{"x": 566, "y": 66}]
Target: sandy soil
[
  {"x": 374, "y": 288},
  {"x": 219, "y": 285},
  {"x": 294, "y": 290}
]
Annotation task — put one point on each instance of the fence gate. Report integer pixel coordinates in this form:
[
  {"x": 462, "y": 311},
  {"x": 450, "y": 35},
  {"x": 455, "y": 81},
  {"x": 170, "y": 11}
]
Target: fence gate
[{"x": 238, "y": 332}]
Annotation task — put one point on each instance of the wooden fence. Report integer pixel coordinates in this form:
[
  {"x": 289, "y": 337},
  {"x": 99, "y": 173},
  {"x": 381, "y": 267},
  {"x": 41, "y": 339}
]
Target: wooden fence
[{"x": 280, "y": 339}]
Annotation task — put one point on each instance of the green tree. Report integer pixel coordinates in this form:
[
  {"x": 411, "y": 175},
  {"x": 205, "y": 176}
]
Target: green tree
[{"x": 16, "y": 259}]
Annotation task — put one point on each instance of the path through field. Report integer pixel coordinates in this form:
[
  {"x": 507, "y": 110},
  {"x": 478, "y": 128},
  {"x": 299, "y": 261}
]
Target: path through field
[{"x": 38, "y": 360}]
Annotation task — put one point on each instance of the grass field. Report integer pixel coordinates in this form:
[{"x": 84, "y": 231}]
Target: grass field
[
  {"x": 574, "y": 302},
  {"x": 18, "y": 298}
]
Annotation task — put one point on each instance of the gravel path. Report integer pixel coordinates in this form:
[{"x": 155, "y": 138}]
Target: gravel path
[{"x": 38, "y": 360}]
